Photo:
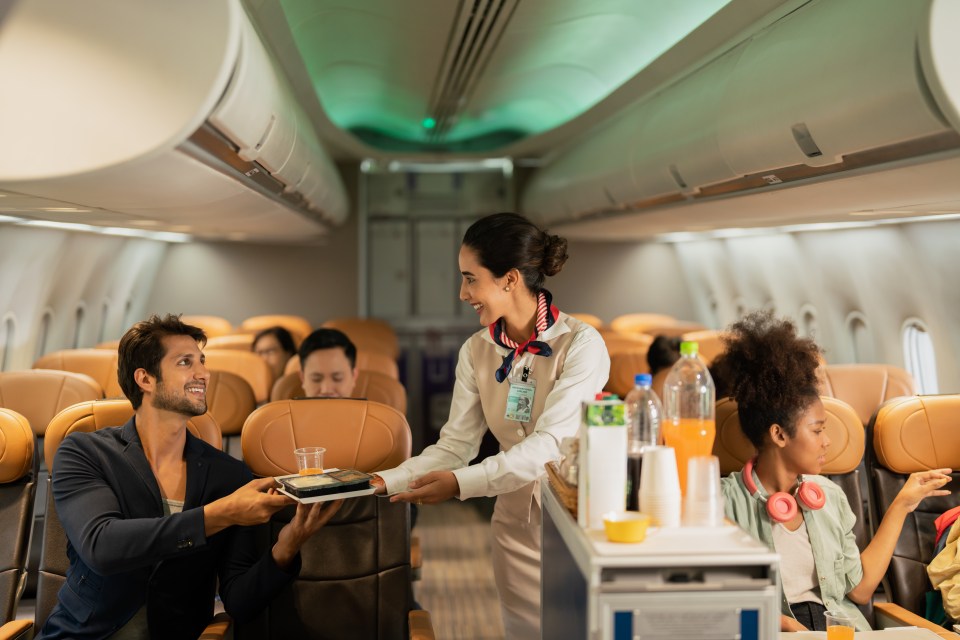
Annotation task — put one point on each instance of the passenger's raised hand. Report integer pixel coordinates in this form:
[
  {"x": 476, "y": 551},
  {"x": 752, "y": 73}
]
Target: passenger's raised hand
[
  {"x": 309, "y": 519},
  {"x": 251, "y": 504},
  {"x": 923, "y": 484}
]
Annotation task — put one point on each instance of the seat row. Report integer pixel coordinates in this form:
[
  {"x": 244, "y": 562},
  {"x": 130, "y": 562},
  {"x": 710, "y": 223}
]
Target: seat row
[
  {"x": 364, "y": 585},
  {"x": 905, "y": 435}
]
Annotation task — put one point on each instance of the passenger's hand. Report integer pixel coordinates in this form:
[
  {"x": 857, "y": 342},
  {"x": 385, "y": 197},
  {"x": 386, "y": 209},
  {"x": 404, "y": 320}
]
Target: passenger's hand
[
  {"x": 308, "y": 519},
  {"x": 430, "y": 488},
  {"x": 790, "y": 624},
  {"x": 251, "y": 504},
  {"x": 920, "y": 485}
]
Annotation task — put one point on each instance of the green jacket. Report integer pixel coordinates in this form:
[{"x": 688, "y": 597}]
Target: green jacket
[{"x": 835, "y": 551}]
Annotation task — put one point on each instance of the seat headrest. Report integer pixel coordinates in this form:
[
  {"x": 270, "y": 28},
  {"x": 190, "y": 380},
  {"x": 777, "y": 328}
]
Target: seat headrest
[
  {"x": 245, "y": 364},
  {"x": 366, "y": 361},
  {"x": 358, "y": 434},
  {"x": 588, "y": 318},
  {"x": 371, "y": 385},
  {"x": 100, "y": 414},
  {"x": 709, "y": 343},
  {"x": 229, "y": 400},
  {"x": 99, "y": 364},
  {"x": 843, "y": 428},
  {"x": 866, "y": 386},
  {"x": 298, "y": 326},
  {"x": 617, "y": 342},
  {"x": 40, "y": 394},
  {"x": 238, "y": 341},
  {"x": 368, "y": 334},
  {"x": 624, "y": 365},
  {"x": 16, "y": 446},
  {"x": 917, "y": 433},
  {"x": 211, "y": 325}
]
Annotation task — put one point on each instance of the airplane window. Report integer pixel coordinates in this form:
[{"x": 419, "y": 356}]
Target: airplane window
[
  {"x": 78, "y": 327},
  {"x": 860, "y": 337},
  {"x": 741, "y": 307},
  {"x": 45, "y": 321},
  {"x": 104, "y": 313},
  {"x": 6, "y": 345},
  {"x": 127, "y": 311},
  {"x": 919, "y": 356},
  {"x": 808, "y": 322}
]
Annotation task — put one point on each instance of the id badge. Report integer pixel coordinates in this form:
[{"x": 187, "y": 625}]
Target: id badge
[{"x": 520, "y": 400}]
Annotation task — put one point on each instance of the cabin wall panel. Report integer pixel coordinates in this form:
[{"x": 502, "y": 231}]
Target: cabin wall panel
[{"x": 239, "y": 280}]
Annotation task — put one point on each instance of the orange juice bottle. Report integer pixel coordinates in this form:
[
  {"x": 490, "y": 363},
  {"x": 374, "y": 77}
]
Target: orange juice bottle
[{"x": 689, "y": 425}]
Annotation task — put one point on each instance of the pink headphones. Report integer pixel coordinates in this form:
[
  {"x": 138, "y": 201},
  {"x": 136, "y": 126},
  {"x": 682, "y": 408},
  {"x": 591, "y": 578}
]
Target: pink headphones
[{"x": 781, "y": 506}]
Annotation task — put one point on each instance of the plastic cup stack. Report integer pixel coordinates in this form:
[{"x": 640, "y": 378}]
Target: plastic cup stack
[
  {"x": 703, "y": 504},
  {"x": 660, "y": 487}
]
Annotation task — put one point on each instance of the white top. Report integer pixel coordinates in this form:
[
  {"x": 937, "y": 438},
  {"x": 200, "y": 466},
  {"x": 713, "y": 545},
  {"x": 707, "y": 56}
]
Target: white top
[
  {"x": 797, "y": 569},
  {"x": 585, "y": 372}
]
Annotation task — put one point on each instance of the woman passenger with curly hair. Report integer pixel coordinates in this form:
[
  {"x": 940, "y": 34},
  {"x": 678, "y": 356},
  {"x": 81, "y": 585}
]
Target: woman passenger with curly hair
[{"x": 780, "y": 499}]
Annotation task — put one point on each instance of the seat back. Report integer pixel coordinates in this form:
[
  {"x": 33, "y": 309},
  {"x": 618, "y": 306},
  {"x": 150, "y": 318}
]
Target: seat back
[
  {"x": 617, "y": 342},
  {"x": 370, "y": 385},
  {"x": 640, "y": 322},
  {"x": 368, "y": 334},
  {"x": 17, "y": 488},
  {"x": 843, "y": 458},
  {"x": 866, "y": 386},
  {"x": 624, "y": 365},
  {"x": 84, "y": 417},
  {"x": 298, "y": 326},
  {"x": 249, "y": 366},
  {"x": 709, "y": 343},
  {"x": 912, "y": 434},
  {"x": 238, "y": 341},
  {"x": 212, "y": 325},
  {"x": 99, "y": 364},
  {"x": 229, "y": 400},
  {"x": 358, "y": 565}
]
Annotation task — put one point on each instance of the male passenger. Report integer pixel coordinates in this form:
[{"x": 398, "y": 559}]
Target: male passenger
[
  {"x": 275, "y": 346},
  {"x": 328, "y": 364},
  {"x": 155, "y": 517}
]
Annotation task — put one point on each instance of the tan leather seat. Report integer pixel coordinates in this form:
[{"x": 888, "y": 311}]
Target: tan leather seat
[
  {"x": 358, "y": 565},
  {"x": 624, "y": 365},
  {"x": 639, "y": 322},
  {"x": 843, "y": 457},
  {"x": 366, "y": 361},
  {"x": 99, "y": 364},
  {"x": 238, "y": 341},
  {"x": 368, "y": 334},
  {"x": 17, "y": 488},
  {"x": 910, "y": 434},
  {"x": 212, "y": 325},
  {"x": 298, "y": 326},
  {"x": 866, "y": 386},
  {"x": 245, "y": 364},
  {"x": 85, "y": 417},
  {"x": 617, "y": 342},
  {"x": 371, "y": 385},
  {"x": 588, "y": 318},
  {"x": 109, "y": 344},
  {"x": 230, "y": 400}
]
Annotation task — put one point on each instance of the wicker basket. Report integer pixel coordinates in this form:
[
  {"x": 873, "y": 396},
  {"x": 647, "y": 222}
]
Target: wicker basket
[{"x": 566, "y": 492}]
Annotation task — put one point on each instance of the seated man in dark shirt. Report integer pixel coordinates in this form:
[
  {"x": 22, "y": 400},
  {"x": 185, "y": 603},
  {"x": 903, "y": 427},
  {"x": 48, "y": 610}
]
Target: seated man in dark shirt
[{"x": 155, "y": 517}]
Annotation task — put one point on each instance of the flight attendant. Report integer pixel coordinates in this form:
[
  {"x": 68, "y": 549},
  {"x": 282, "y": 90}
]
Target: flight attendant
[
  {"x": 780, "y": 499},
  {"x": 523, "y": 376}
]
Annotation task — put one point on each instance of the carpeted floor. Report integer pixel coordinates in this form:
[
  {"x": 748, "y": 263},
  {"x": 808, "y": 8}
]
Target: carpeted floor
[{"x": 457, "y": 585}]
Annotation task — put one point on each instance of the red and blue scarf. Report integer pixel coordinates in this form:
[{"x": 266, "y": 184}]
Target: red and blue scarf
[{"x": 547, "y": 315}]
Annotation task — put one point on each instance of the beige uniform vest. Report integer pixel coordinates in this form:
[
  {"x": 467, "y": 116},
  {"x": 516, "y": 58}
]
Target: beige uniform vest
[{"x": 545, "y": 371}]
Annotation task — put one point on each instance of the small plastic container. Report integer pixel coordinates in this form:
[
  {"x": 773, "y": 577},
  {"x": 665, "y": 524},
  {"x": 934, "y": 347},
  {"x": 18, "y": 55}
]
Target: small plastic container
[{"x": 626, "y": 526}]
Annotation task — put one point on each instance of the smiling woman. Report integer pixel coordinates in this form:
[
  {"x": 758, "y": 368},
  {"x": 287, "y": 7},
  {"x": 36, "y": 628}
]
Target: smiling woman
[{"x": 524, "y": 376}]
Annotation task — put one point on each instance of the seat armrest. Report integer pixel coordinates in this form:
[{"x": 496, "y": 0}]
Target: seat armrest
[
  {"x": 893, "y": 615},
  {"x": 17, "y": 630},
  {"x": 218, "y": 628},
  {"x": 421, "y": 626}
]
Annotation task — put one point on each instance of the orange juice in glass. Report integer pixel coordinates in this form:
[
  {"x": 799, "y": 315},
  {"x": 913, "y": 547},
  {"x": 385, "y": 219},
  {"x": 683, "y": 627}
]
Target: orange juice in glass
[
  {"x": 309, "y": 460},
  {"x": 840, "y": 626},
  {"x": 689, "y": 437}
]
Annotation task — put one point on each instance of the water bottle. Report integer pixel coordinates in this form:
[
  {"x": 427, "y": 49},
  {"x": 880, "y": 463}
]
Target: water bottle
[
  {"x": 644, "y": 413},
  {"x": 689, "y": 425}
]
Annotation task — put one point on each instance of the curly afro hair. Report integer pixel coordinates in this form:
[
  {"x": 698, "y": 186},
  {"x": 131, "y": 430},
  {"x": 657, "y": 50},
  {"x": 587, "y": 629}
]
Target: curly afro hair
[{"x": 770, "y": 371}]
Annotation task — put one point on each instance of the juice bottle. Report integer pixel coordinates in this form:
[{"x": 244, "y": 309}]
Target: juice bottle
[{"x": 688, "y": 424}]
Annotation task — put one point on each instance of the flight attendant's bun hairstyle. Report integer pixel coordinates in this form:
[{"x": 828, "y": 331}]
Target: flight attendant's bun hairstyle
[
  {"x": 770, "y": 371},
  {"x": 505, "y": 241}
]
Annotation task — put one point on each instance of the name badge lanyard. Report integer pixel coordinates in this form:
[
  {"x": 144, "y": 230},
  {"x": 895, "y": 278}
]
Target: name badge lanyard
[{"x": 520, "y": 396}]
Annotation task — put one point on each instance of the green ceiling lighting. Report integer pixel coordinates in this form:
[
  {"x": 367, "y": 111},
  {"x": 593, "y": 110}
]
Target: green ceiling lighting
[{"x": 486, "y": 77}]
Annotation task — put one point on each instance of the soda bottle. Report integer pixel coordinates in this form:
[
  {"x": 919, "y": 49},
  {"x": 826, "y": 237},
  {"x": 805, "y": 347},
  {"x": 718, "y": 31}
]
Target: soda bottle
[
  {"x": 689, "y": 425},
  {"x": 644, "y": 413}
]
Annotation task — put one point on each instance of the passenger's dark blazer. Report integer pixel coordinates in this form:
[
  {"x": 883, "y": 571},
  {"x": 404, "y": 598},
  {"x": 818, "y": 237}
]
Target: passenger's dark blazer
[{"x": 125, "y": 554}]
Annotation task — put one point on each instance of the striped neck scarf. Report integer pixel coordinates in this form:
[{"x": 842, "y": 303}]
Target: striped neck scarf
[{"x": 547, "y": 314}]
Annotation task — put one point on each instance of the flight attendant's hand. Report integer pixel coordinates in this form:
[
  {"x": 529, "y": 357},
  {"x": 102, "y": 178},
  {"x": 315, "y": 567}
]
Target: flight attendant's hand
[
  {"x": 923, "y": 484},
  {"x": 430, "y": 488},
  {"x": 379, "y": 486}
]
